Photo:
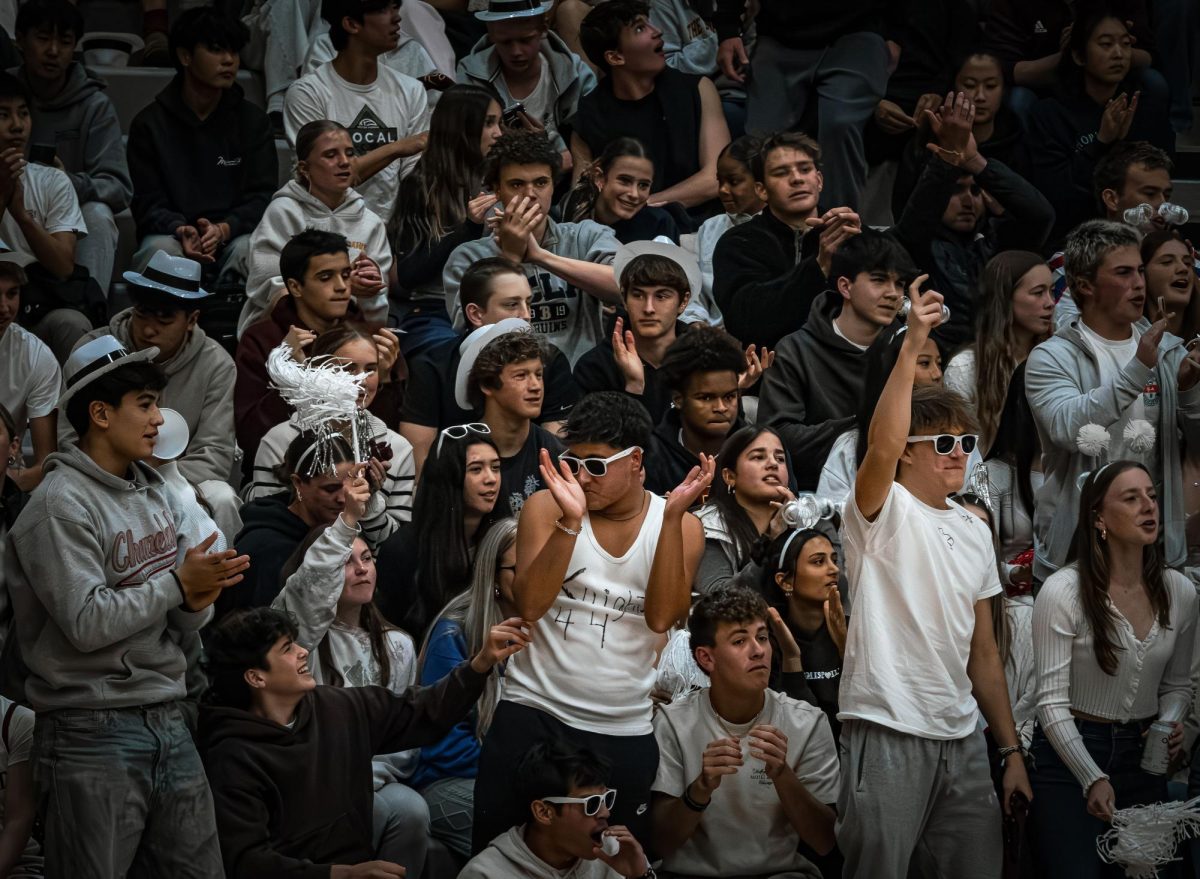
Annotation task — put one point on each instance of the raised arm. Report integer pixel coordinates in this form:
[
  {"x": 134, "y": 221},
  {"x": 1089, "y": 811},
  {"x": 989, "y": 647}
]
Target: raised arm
[
  {"x": 680, "y": 544},
  {"x": 595, "y": 278},
  {"x": 887, "y": 436}
]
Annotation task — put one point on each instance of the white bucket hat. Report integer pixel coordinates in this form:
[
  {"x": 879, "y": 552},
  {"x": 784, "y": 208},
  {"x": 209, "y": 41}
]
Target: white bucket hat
[{"x": 476, "y": 342}]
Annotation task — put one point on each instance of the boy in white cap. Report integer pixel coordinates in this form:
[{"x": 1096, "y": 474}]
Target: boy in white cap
[
  {"x": 102, "y": 588},
  {"x": 200, "y": 374}
]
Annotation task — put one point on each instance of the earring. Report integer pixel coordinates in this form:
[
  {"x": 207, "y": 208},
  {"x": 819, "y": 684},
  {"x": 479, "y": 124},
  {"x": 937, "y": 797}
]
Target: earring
[
  {"x": 1103, "y": 533},
  {"x": 787, "y": 590},
  {"x": 732, "y": 488}
]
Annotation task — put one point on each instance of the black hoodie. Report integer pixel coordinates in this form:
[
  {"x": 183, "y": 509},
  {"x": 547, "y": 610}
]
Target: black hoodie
[
  {"x": 292, "y": 801},
  {"x": 811, "y": 393},
  {"x": 270, "y": 534},
  {"x": 765, "y": 277},
  {"x": 223, "y": 168},
  {"x": 668, "y": 460}
]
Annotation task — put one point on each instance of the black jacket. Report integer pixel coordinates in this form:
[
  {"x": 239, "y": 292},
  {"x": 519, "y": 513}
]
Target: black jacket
[
  {"x": 765, "y": 278},
  {"x": 811, "y": 393},
  {"x": 223, "y": 168},
  {"x": 668, "y": 461},
  {"x": 955, "y": 260},
  {"x": 270, "y": 534},
  {"x": 290, "y": 802},
  {"x": 801, "y": 25}
]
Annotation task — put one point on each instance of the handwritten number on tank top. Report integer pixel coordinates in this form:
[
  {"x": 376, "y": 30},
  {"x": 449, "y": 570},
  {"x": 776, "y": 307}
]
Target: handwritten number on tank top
[{"x": 948, "y": 538}]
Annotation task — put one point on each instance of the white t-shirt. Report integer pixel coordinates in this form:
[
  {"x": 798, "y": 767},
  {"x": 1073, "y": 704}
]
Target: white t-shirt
[
  {"x": 592, "y": 661},
  {"x": 838, "y": 331},
  {"x": 51, "y": 202},
  {"x": 391, "y": 108},
  {"x": 915, "y": 574},
  {"x": 30, "y": 381},
  {"x": 539, "y": 103},
  {"x": 16, "y": 743},
  {"x": 1112, "y": 358},
  {"x": 744, "y": 831}
]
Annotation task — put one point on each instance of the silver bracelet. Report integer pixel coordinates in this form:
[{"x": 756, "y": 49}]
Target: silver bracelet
[{"x": 563, "y": 528}]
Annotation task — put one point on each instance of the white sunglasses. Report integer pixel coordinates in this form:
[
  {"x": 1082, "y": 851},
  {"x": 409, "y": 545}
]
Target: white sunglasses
[
  {"x": 460, "y": 431},
  {"x": 944, "y": 443},
  {"x": 591, "y": 805},
  {"x": 596, "y": 467}
]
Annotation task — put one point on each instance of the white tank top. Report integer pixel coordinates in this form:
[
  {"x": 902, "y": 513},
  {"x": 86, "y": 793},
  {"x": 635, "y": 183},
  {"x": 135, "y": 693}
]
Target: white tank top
[{"x": 592, "y": 661}]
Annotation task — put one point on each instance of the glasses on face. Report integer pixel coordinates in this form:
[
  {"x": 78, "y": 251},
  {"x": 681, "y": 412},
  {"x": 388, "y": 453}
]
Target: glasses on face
[
  {"x": 162, "y": 314},
  {"x": 944, "y": 443},
  {"x": 460, "y": 431},
  {"x": 596, "y": 467},
  {"x": 591, "y": 805}
]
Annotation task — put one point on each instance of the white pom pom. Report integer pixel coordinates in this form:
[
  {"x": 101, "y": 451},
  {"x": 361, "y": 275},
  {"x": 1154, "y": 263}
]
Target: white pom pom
[
  {"x": 610, "y": 845},
  {"x": 324, "y": 395},
  {"x": 1092, "y": 440},
  {"x": 1140, "y": 436},
  {"x": 678, "y": 673},
  {"x": 1143, "y": 838}
]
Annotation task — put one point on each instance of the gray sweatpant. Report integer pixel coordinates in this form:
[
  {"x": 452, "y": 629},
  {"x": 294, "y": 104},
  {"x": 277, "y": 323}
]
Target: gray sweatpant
[{"x": 916, "y": 807}]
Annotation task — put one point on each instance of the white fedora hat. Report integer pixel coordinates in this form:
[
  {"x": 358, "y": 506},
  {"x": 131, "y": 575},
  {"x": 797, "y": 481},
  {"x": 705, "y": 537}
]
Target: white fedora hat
[
  {"x": 627, "y": 253},
  {"x": 96, "y": 358},
  {"x": 476, "y": 342},
  {"x": 500, "y": 10},
  {"x": 176, "y": 276}
]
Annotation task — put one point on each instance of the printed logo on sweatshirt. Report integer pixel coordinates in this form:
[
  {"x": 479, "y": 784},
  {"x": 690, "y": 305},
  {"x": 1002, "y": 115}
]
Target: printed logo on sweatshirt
[
  {"x": 552, "y": 304},
  {"x": 140, "y": 556},
  {"x": 697, "y": 28},
  {"x": 1038, "y": 27},
  {"x": 367, "y": 131},
  {"x": 223, "y": 162}
]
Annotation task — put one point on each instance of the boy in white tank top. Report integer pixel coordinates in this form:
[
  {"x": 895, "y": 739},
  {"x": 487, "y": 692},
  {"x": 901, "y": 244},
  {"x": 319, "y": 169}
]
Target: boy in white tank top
[{"x": 604, "y": 570}]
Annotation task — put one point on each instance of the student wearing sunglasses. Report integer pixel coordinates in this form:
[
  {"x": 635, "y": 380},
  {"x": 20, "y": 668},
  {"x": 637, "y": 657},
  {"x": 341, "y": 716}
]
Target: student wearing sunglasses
[
  {"x": 604, "y": 570},
  {"x": 564, "y": 822},
  {"x": 921, "y": 659}
]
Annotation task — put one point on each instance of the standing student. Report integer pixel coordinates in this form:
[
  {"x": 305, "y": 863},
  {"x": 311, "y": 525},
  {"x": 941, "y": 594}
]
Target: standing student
[
  {"x": 920, "y": 649},
  {"x": 615, "y": 190},
  {"x": 1113, "y": 634},
  {"x": 604, "y": 570},
  {"x": 98, "y": 620}
]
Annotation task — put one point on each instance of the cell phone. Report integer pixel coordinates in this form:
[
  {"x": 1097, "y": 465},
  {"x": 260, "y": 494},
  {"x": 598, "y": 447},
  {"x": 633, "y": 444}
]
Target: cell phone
[
  {"x": 437, "y": 81},
  {"x": 43, "y": 153},
  {"x": 512, "y": 116}
]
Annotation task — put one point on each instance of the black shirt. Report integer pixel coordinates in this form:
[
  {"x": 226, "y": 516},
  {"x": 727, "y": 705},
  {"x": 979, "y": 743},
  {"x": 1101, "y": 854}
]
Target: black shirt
[
  {"x": 646, "y": 225},
  {"x": 520, "y": 476},
  {"x": 429, "y": 397},
  {"x": 597, "y": 370}
]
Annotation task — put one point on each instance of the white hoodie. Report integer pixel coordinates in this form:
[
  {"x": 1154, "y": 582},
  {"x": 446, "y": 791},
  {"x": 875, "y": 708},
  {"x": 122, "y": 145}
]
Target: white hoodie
[
  {"x": 507, "y": 855},
  {"x": 294, "y": 209}
]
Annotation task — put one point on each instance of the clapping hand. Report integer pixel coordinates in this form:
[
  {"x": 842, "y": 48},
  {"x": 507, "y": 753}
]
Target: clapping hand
[
  {"x": 1117, "y": 118},
  {"x": 478, "y": 207},
  {"x": 789, "y": 650},
  {"x": 688, "y": 492},
  {"x": 952, "y": 127},
  {"x": 626, "y": 357},
  {"x": 203, "y": 575},
  {"x": 756, "y": 364},
  {"x": 565, "y": 490},
  {"x": 769, "y": 744},
  {"x": 835, "y": 619},
  {"x": 513, "y": 232}
]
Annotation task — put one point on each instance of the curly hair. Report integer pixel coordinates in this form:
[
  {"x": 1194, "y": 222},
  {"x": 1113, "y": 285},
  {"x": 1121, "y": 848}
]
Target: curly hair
[
  {"x": 701, "y": 349},
  {"x": 505, "y": 350},
  {"x": 732, "y": 604},
  {"x": 611, "y": 419},
  {"x": 520, "y": 148},
  {"x": 239, "y": 642}
]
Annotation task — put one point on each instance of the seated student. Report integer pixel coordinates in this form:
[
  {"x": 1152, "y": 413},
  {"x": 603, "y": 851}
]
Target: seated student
[
  {"x": 633, "y": 98},
  {"x": 103, "y": 586},
  {"x": 615, "y": 190},
  {"x": 20, "y": 853},
  {"x": 964, "y": 209},
  {"x": 386, "y": 112},
  {"x": 701, "y": 370},
  {"x": 657, "y": 281},
  {"x": 446, "y": 773},
  {"x": 319, "y": 197},
  {"x": 315, "y": 267},
  {"x": 72, "y": 115},
  {"x": 409, "y": 57},
  {"x": 738, "y": 748},
  {"x": 743, "y": 507},
  {"x": 811, "y": 393},
  {"x": 1110, "y": 371},
  {"x": 167, "y": 299},
  {"x": 266, "y": 715},
  {"x": 569, "y": 803},
  {"x": 426, "y": 561},
  {"x": 921, "y": 659},
  {"x": 501, "y": 369},
  {"x": 441, "y": 205},
  {"x": 1101, "y": 101},
  {"x": 689, "y": 41},
  {"x": 846, "y": 454},
  {"x": 41, "y": 220},
  {"x": 528, "y": 66},
  {"x": 492, "y": 290},
  {"x": 768, "y": 270},
  {"x": 202, "y": 122},
  {"x": 740, "y": 202},
  {"x": 30, "y": 381},
  {"x": 390, "y": 462},
  {"x": 595, "y": 691},
  {"x": 568, "y": 264},
  {"x": 12, "y": 496}
]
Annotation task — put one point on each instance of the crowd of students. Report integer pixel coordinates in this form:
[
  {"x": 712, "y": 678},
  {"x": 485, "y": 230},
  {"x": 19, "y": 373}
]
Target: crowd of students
[{"x": 687, "y": 517}]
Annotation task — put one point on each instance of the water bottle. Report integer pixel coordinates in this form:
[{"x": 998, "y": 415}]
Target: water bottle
[
  {"x": 906, "y": 307},
  {"x": 1173, "y": 214},
  {"x": 805, "y": 511},
  {"x": 1140, "y": 215}
]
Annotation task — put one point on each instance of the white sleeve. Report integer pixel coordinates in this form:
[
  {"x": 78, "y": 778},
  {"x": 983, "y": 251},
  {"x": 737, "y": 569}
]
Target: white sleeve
[
  {"x": 817, "y": 763},
  {"x": 301, "y": 104},
  {"x": 19, "y": 738},
  {"x": 46, "y": 380},
  {"x": 669, "y": 778},
  {"x": 59, "y": 204},
  {"x": 312, "y": 592}
]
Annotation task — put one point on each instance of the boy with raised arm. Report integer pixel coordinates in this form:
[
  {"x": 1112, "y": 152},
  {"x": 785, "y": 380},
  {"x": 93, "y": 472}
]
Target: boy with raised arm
[
  {"x": 604, "y": 570},
  {"x": 920, "y": 649}
]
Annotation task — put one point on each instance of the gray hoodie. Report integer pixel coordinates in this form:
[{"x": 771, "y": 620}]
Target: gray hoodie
[
  {"x": 564, "y": 315},
  {"x": 570, "y": 78},
  {"x": 200, "y": 388},
  {"x": 1062, "y": 382},
  {"x": 82, "y": 124},
  {"x": 96, "y": 609},
  {"x": 507, "y": 855}
]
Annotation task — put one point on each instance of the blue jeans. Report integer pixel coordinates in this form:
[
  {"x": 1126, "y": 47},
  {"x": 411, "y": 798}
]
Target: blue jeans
[
  {"x": 124, "y": 792},
  {"x": 1062, "y": 831}
]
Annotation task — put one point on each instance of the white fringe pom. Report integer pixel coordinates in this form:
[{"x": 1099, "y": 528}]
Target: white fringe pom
[
  {"x": 1140, "y": 436},
  {"x": 1144, "y": 838},
  {"x": 1093, "y": 440},
  {"x": 325, "y": 398},
  {"x": 678, "y": 673}
]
